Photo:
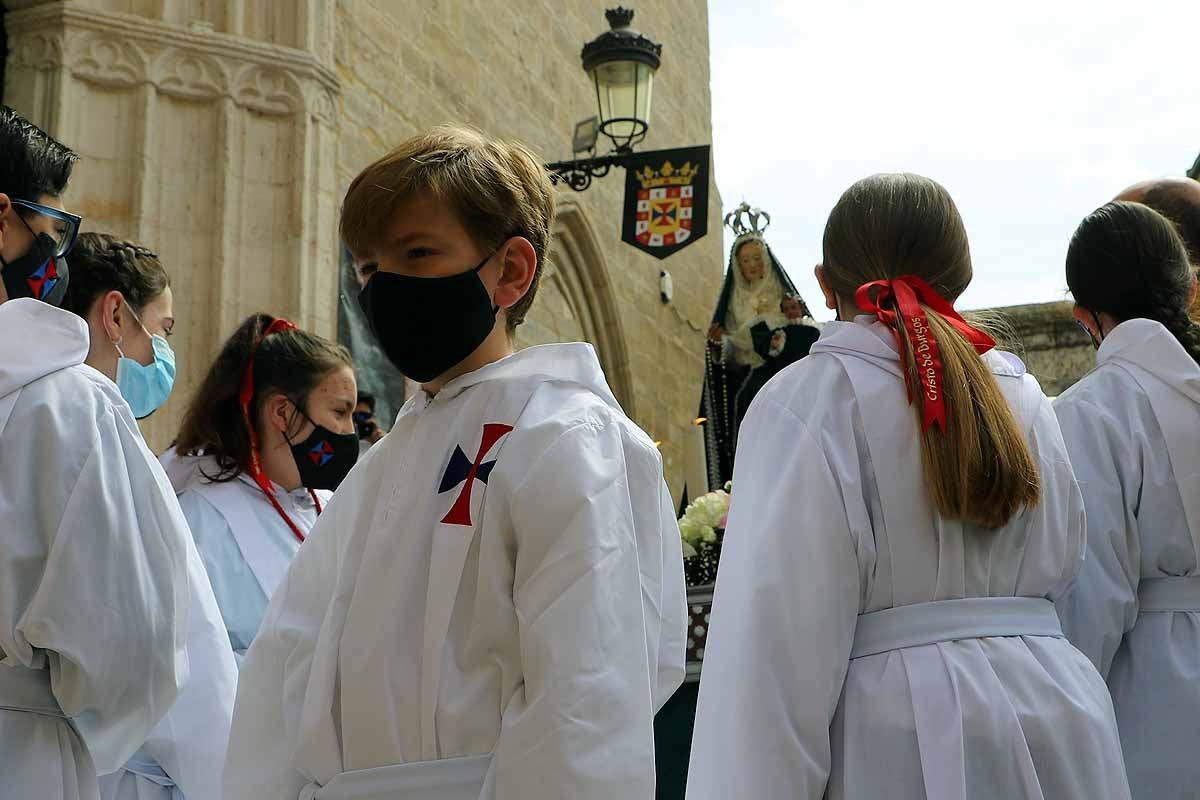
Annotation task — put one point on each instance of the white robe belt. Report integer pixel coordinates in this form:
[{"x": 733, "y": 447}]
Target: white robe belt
[
  {"x": 1169, "y": 594},
  {"x": 24, "y": 689},
  {"x": 947, "y": 620},
  {"x": 444, "y": 779}
]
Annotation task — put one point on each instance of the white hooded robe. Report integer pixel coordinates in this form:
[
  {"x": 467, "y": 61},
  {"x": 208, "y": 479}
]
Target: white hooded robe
[
  {"x": 830, "y": 519},
  {"x": 93, "y": 562},
  {"x": 1132, "y": 427},
  {"x": 500, "y": 577}
]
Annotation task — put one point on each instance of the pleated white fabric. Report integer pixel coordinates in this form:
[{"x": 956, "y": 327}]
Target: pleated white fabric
[
  {"x": 1132, "y": 427},
  {"x": 831, "y": 519}
]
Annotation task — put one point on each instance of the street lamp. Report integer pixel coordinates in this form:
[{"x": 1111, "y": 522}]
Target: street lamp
[{"x": 621, "y": 63}]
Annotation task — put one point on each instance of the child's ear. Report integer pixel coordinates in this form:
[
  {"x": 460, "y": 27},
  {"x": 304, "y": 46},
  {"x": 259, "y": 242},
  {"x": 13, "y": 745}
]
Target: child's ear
[
  {"x": 520, "y": 268},
  {"x": 5, "y": 216},
  {"x": 277, "y": 411},
  {"x": 826, "y": 289}
]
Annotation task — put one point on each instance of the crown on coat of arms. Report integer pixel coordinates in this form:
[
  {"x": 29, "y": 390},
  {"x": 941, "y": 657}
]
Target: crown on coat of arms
[
  {"x": 748, "y": 220},
  {"x": 667, "y": 175}
]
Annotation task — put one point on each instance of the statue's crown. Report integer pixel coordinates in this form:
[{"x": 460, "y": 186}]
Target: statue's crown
[
  {"x": 667, "y": 175},
  {"x": 745, "y": 219}
]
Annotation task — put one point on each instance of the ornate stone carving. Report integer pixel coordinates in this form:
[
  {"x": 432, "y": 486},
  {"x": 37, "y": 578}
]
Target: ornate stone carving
[
  {"x": 108, "y": 61},
  {"x": 322, "y": 106},
  {"x": 189, "y": 75},
  {"x": 269, "y": 91},
  {"x": 36, "y": 51}
]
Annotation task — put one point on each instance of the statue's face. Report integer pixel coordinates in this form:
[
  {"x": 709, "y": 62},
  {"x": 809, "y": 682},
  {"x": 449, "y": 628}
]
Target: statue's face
[
  {"x": 792, "y": 308},
  {"x": 751, "y": 261}
]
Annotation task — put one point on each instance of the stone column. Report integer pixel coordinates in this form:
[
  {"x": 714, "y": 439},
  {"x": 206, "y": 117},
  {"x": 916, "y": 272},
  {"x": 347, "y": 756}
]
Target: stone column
[{"x": 207, "y": 132}]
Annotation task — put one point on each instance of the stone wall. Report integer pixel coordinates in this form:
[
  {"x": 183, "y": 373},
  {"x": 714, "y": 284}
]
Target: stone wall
[
  {"x": 513, "y": 70},
  {"x": 223, "y": 133},
  {"x": 206, "y": 131},
  {"x": 1055, "y": 350}
]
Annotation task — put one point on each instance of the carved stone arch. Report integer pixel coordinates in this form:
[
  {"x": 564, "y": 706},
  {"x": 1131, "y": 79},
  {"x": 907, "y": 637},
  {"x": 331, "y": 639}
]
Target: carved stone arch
[
  {"x": 581, "y": 273},
  {"x": 107, "y": 60},
  {"x": 269, "y": 91},
  {"x": 35, "y": 51},
  {"x": 190, "y": 76}
]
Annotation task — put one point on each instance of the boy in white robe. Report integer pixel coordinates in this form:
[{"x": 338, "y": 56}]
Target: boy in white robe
[
  {"x": 93, "y": 580},
  {"x": 1132, "y": 427},
  {"x": 492, "y": 605}
]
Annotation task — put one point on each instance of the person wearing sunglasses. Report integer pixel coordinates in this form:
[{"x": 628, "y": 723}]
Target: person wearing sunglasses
[
  {"x": 93, "y": 573},
  {"x": 36, "y": 232}
]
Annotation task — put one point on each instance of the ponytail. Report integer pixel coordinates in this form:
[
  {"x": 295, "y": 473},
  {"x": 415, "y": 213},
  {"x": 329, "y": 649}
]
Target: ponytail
[
  {"x": 290, "y": 362},
  {"x": 977, "y": 464},
  {"x": 979, "y": 469}
]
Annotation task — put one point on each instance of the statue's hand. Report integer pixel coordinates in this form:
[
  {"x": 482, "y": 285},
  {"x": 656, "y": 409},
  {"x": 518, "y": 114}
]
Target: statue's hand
[{"x": 715, "y": 333}]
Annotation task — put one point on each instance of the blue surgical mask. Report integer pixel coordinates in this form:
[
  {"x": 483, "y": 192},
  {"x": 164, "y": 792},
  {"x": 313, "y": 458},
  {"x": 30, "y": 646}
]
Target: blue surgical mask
[{"x": 146, "y": 386}]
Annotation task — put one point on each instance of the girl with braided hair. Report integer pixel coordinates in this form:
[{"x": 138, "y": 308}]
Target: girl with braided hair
[
  {"x": 1132, "y": 428},
  {"x": 122, "y": 291},
  {"x": 124, "y": 295}
]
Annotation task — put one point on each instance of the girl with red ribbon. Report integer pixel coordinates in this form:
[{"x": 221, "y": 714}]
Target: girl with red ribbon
[
  {"x": 883, "y": 623},
  {"x": 270, "y": 432}
]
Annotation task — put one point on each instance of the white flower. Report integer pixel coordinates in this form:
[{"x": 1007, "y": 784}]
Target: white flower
[
  {"x": 688, "y": 550},
  {"x": 697, "y": 528}
]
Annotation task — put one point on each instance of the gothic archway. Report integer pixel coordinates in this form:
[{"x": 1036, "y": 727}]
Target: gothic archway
[{"x": 576, "y": 302}]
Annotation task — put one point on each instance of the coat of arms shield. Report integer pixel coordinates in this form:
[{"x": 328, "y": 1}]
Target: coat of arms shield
[{"x": 666, "y": 200}]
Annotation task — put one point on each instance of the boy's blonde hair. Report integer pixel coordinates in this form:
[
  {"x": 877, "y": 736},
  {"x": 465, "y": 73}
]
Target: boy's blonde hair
[{"x": 497, "y": 189}]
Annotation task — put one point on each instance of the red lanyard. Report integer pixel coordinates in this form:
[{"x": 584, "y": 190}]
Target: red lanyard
[
  {"x": 268, "y": 490},
  {"x": 255, "y": 467}
]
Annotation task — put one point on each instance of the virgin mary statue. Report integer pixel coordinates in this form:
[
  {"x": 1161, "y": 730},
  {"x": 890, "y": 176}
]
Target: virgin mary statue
[{"x": 760, "y": 326}]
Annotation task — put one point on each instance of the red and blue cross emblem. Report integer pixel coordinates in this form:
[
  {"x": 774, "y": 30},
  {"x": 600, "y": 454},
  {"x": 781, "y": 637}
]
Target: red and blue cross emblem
[
  {"x": 462, "y": 469},
  {"x": 43, "y": 281},
  {"x": 321, "y": 454}
]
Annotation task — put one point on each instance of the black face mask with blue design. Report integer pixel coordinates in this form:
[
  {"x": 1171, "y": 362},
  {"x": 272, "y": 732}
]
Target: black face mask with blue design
[
  {"x": 324, "y": 458},
  {"x": 39, "y": 274}
]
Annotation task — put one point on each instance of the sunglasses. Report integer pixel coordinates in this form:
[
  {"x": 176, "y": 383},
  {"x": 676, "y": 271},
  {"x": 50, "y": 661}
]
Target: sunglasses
[{"x": 66, "y": 226}]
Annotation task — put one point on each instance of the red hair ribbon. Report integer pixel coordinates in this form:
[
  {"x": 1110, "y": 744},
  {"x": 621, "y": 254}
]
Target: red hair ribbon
[
  {"x": 245, "y": 396},
  {"x": 910, "y": 292}
]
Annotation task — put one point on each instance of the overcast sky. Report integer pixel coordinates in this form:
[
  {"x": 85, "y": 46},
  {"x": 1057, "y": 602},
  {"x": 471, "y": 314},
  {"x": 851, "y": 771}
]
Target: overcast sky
[{"x": 1032, "y": 114}]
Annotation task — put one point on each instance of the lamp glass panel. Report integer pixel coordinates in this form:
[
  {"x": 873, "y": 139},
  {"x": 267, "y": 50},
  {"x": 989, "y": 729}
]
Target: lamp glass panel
[
  {"x": 623, "y": 92},
  {"x": 645, "y": 83}
]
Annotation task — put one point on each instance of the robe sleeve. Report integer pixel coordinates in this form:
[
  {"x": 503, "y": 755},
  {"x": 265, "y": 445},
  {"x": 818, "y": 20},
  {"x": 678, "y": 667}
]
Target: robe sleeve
[
  {"x": 227, "y": 571},
  {"x": 110, "y": 609},
  {"x": 189, "y": 743},
  {"x": 587, "y": 603},
  {"x": 760, "y": 334},
  {"x": 783, "y": 619},
  {"x": 1100, "y": 607},
  {"x": 672, "y": 643},
  {"x": 274, "y": 676}
]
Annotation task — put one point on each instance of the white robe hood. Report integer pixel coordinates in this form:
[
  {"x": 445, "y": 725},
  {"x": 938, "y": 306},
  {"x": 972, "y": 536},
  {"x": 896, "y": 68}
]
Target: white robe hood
[{"x": 37, "y": 339}]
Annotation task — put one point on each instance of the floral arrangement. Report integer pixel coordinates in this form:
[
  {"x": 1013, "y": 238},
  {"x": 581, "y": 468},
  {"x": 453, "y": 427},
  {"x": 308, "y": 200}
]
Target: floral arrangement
[{"x": 701, "y": 530}]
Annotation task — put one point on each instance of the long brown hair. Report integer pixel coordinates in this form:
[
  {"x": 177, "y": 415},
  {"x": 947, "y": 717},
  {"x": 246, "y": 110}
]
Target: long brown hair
[
  {"x": 980, "y": 469},
  {"x": 291, "y": 362}
]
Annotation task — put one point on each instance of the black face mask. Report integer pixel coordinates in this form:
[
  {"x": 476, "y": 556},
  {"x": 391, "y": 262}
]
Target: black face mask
[
  {"x": 37, "y": 274},
  {"x": 427, "y": 325},
  {"x": 324, "y": 458}
]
